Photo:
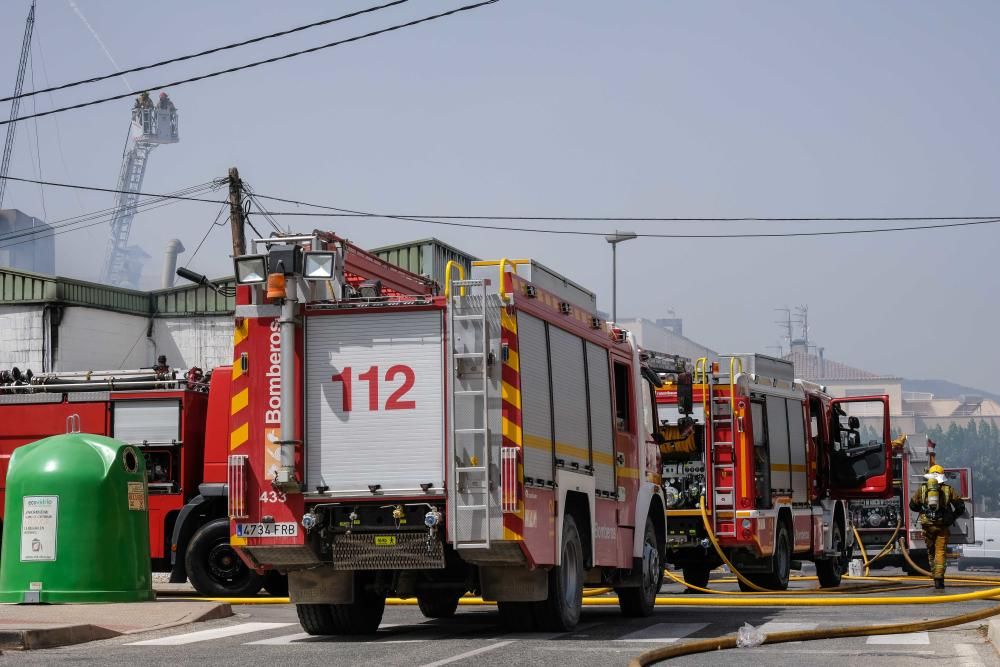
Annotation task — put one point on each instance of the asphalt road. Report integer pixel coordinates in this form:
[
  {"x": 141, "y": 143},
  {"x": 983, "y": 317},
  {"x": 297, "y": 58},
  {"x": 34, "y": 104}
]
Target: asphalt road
[{"x": 270, "y": 634}]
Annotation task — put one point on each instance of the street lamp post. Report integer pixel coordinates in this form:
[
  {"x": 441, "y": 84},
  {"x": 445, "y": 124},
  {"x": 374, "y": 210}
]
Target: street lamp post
[{"x": 614, "y": 240}]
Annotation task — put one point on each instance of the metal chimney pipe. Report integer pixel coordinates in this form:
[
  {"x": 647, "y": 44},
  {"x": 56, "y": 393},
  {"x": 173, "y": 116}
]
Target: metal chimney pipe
[{"x": 174, "y": 248}]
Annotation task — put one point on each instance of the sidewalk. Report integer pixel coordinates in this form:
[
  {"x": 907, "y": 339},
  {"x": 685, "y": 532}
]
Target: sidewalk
[{"x": 46, "y": 626}]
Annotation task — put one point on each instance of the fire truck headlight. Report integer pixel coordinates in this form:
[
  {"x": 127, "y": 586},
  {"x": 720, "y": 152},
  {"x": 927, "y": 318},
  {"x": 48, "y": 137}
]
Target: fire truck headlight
[
  {"x": 251, "y": 269},
  {"x": 318, "y": 265},
  {"x": 309, "y": 520}
]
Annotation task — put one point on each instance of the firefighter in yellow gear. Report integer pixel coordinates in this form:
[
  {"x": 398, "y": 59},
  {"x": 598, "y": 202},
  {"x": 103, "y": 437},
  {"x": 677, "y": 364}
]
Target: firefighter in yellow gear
[{"x": 939, "y": 506}]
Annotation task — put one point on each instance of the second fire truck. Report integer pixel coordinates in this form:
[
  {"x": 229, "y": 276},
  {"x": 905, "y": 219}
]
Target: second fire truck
[
  {"x": 386, "y": 440},
  {"x": 774, "y": 461}
]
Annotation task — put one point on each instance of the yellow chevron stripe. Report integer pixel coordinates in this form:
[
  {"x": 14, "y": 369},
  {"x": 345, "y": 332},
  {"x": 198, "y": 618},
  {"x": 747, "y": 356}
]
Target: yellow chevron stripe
[
  {"x": 240, "y": 332},
  {"x": 239, "y": 436},
  {"x": 508, "y": 321},
  {"x": 511, "y": 395},
  {"x": 512, "y": 431},
  {"x": 236, "y": 541},
  {"x": 513, "y": 361},
  {"x": 509, "y": 534},
  {"x": 237, "y": 370},
  {"x": 240, "y": 401}
]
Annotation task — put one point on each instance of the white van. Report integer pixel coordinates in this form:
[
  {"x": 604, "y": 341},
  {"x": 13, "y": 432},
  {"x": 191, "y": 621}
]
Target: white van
[{"x": 985, "y": 551}]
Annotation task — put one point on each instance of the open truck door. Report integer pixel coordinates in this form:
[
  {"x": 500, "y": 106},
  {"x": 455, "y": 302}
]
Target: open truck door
[{"x": 861, "y": 449}]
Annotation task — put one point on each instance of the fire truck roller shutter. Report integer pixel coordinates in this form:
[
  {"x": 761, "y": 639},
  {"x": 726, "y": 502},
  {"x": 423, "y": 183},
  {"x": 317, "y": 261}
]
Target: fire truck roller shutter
[
  {"x": 536, "y": 407},
  {"x": 390, "y": 431},
  {"x": 777, "y": 438},
  {"x": 797, "y": 442},
  {"x": 154, "y": 421},
  {"x": 569, "y": 398},
  {"x": 601, "y": 426}
]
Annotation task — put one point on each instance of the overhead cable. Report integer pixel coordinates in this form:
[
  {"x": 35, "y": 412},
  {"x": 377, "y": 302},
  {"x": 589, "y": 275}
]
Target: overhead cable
[
  {"x": 190, "y": 56},
  {"x": 97, "y": 189},
  {"x": 258, "y": 63}
]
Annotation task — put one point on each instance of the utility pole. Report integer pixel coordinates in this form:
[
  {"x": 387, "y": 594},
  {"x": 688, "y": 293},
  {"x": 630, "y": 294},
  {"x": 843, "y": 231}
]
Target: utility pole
[{"x": 236, "y": 212}]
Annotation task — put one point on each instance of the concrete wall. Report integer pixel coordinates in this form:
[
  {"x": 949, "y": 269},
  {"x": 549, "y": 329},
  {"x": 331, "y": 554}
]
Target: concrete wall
[
  {"x": 205, "y": 341},
  {"x": 94, "y": 339},
  {"x": 21, "y": 337}
]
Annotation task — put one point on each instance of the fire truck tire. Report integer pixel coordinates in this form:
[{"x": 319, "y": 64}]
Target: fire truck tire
[
  {"x": 276, "y": 584},
  {"x": 561, "y": 611},
  {"x": 316, "y": 619},
  {"x": 438, "y": 604},
  {"x": 697, "y": 575},
  {"x": 830, "y": 571},
  {"x": 213, "y": 566},
  {"x": 640, "y": 601},
  {"x": 361, "y": 617},
  {"x": 781, "y": 564}
]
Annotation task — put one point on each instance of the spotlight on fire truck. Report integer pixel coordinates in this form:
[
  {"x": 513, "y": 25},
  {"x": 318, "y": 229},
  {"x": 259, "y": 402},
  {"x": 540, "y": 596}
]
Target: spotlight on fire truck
[
  {"x": 370, "y": 289},
  {"x": 250, "y": 269},
  {"x": 319, "y": 265}
]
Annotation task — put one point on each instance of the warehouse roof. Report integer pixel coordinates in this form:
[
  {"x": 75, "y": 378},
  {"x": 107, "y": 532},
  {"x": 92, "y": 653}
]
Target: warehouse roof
[
  {"x": 22, "y": 287},
  {"x": 809, "y": 366}
]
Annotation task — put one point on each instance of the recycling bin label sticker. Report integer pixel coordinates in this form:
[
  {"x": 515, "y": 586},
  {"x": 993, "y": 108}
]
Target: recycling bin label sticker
[
  {"x": 136, "y": 496},
  {"x": 39, "y": 522}
]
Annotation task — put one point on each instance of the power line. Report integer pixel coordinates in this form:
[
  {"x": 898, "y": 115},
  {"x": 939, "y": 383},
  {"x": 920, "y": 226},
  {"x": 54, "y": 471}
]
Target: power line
[
  {"x": 104, "y": 215},
  {"x": 577, "y": 232},
  {"x": 206, "y": 52},
  {"x": 103, "y": 221},
  {"x": 97, "y": 189},
  {"x": 215, "y": 223},
  {"x": 346, "y": 213},
  {"x": 258, "y": 63}
]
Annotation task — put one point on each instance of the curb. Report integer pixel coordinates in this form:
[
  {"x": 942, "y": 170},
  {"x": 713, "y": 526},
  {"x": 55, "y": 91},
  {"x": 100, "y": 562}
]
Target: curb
[
  {"x": 62, "y": 635},
  {"x": 993, "y": 633},
  {"x": 67, "y": 635}
]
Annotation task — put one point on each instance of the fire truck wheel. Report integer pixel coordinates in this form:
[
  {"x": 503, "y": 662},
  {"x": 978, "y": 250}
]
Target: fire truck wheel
[
  {"x": 276, "y": 584},
  {"x": 830, "y": 570},
  {"x": 640, "y": 601},
  {"x": 361, "y": 617},
  {"x": 697, "y": 575},
  {"x": 781, "y": 561},
  {"x": 438, "y": 604},
  {"x": 561, "y": 611},
  {"x": 213, "y": 566},
  {"x": 315, "y": 619}
]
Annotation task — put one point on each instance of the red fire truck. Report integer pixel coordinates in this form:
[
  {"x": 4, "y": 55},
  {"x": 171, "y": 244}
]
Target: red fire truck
[
  {"x": 182, "y": 426},
  {"x": 497, "y": 439},
  {"x": 774, "y": 460}
]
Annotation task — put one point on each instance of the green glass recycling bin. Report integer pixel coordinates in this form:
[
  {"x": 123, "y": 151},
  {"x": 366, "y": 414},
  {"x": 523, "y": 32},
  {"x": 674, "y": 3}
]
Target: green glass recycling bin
[{"x": 76, "y": 527}]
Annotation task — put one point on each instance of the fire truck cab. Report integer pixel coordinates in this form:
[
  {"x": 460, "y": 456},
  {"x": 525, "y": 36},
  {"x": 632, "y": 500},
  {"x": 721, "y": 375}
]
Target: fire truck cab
[
  {"x": 764, "y": 464},
  {"x": 390, "y": 440}
]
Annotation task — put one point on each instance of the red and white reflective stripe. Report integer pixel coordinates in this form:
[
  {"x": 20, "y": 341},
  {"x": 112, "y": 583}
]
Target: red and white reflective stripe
[
  {"x": 508, "y": 480},
  {"x": 237, "y": 486}
]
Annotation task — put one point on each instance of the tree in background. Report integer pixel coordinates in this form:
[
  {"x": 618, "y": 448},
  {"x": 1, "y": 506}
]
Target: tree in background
[{"x": 976, "y": 446}]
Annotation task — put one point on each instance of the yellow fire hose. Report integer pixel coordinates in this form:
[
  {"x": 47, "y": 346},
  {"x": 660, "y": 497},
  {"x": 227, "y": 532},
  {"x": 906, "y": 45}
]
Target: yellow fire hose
[{"x": 729, "y": 641}]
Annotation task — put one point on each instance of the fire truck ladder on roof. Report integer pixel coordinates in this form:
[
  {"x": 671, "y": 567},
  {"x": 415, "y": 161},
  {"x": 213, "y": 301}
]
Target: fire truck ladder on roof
[
  {"x": 721, "y": 436},
  {"x": 470, "y": 465}
]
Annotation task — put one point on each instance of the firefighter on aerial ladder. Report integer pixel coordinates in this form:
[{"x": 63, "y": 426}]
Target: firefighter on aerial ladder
[{"x": 939, "y": 507}]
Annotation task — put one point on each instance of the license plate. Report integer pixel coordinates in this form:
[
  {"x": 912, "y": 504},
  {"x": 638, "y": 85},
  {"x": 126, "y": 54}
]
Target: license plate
[{"x": 267, "y": 529}]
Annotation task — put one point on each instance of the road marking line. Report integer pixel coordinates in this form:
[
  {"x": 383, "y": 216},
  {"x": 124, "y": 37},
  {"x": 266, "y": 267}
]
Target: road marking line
[
  {"x": 205, "y": 635},
  {"x": 968, "y": 656},
  {"x": 282, "y": 640},
  {"x": 665, "y": 633},
  {"x": 907, "y": 638},
  {"x": 467, "y": 654}
]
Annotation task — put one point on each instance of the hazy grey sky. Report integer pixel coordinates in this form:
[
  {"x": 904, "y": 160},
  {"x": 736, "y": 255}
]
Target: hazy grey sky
[{"x": 581, "y": 107}]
